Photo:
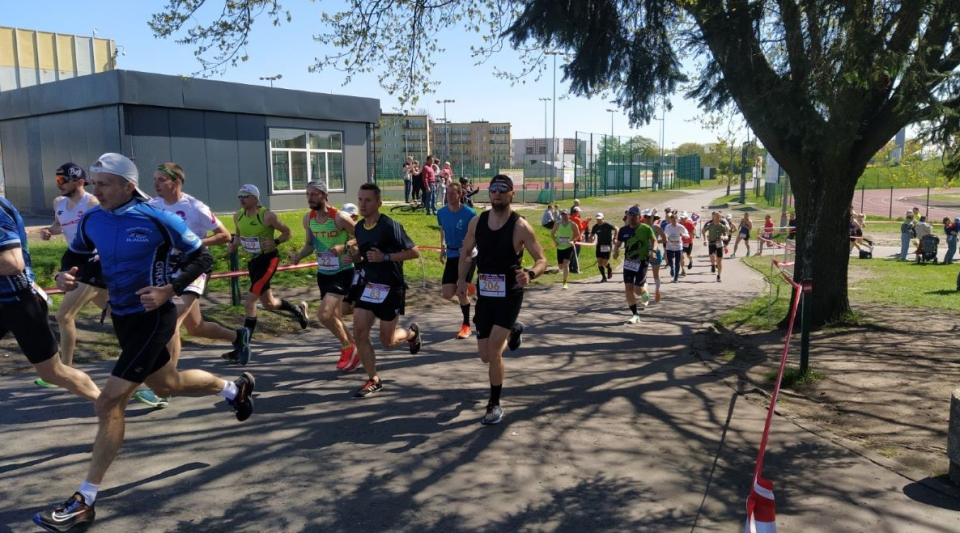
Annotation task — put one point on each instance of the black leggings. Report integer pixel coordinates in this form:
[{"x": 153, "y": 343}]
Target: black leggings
[{"x": 674, "y": 257}]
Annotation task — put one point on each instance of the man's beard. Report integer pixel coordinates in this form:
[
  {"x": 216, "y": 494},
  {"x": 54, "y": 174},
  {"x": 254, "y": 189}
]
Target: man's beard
[
  {"x": 501, "y": 207},
  {"x": 315, "y": 206}
]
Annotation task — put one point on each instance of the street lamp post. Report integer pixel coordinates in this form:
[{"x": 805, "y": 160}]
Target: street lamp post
[
  {"x": 271, "y": 79},
  {"x": 446, "y": 128},
  {"x": 553, "y": 140},
  {"x": 545, "y": 100},
  {"x": 609, "y": 145}
]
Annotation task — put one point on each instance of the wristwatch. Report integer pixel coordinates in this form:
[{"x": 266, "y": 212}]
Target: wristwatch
[
  {"x": 386, "y": 257},
  {"x": 530, "y": 272}
]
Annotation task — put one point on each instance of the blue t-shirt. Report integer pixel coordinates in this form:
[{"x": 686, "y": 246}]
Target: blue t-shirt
[
  {"x": 13, "y": 235},
  {"x": 134, "y": 242},
  {"x": 455, "y": 227}
]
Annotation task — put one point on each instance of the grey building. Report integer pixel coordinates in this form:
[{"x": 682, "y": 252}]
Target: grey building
[{"x": 223, "y": 134}]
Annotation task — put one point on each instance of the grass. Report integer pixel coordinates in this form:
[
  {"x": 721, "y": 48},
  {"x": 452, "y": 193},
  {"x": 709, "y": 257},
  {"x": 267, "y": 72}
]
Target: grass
[
  {"x": 757, "y": 202},
  {"x": 794, "y": 379},
  {"x": 764, "y": 311},
  {"x": 883, "y": 177}
]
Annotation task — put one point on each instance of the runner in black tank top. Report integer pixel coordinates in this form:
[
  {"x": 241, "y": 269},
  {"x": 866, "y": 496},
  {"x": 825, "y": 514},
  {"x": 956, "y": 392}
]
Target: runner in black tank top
[{"x": 500, "y": 236}]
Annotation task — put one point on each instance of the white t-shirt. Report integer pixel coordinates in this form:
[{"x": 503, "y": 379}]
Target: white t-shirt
[
  {"x": 69, "y": 218},
  {"x": 195, "y": 214},
  {"x": 675, "y": 236}
]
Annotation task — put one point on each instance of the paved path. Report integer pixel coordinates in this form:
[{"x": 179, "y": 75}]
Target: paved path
[{"x": 608, "y": 428}]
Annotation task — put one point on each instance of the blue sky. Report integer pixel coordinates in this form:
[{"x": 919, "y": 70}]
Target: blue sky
[{"x": 290, "y": 49}]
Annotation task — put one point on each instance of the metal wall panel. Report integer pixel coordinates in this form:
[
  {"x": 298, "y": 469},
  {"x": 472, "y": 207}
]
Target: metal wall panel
[
  {"x": 222, "y": 165},
  {"x": 148, "y": 135},
  {"x": 252, "y": 163},
  {"x": 16, "y": 171}
]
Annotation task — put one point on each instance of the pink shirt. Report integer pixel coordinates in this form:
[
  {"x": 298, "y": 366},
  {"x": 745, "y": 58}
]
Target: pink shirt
[{"x": 429, "y": 177}]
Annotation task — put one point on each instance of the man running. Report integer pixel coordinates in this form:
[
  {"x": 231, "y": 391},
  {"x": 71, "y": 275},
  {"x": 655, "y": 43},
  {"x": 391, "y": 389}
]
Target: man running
[
  {"x": 602, "y": 236},
  {"x": 327, "y": 232},
  {"x": 638, "y": 241},
  {"x": 651, "y": 218},
  {"x": 383, "y": 247},
  {"x": 134, "y": 241},
  {"x": 68, "y": 208},
  {"x": 675, "y": 234},
  {"x": 453, "y": 219},
  {"x": 168, "y": 180},
  {"x": 713, "y": 233},
  {"x": 500, "y": 235},
  {"x": 687, "y": 242},
  {"x": 256, "y": 228},
  {"x": 564, "y": 234},
  {"x": 743, "y": 234},
  {"x": 23, "y": 309}
]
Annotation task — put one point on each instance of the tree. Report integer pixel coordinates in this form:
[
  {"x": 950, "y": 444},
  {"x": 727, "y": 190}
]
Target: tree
[{"x": 822, "y": 84}]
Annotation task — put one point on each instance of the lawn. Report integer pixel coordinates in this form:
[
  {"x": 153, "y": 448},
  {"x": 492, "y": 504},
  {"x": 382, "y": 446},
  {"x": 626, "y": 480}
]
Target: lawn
[{"x": 883, "y": 177}]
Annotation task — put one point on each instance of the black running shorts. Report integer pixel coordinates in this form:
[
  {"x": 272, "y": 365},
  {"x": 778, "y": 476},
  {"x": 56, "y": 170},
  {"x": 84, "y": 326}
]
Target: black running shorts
[
  {"x": 338, "y": 283},
  {"x": 636, "y": 278},
  {"x": 27, "y": 319},
  {"x": 451, "y": 271},
  {"x": 143, "y": 342},
  {"x": 353, "y": 293},
  {"x": 715, "y": 250},
  {"x": 262, "y": 268},
  {"x": 564, "y": 255},
  {"x": 387, "y": 310},
  {"x": 688, "y": 249},
  {"x": 495, "y": 311}
]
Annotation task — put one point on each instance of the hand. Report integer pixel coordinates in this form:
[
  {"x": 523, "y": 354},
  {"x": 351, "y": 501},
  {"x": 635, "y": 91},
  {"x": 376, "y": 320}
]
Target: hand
[
  {"x": 616, "y": 254},
  {"x": 153, "y": 297},
  {"x": 45, "y": 234},
  {"x": 67, "y": 280},
  {"x": 375, "y": 255},
  {"x": 523, "y": 278},
  {"x": 443, "y": 255},
  {"x": 461, "y": 288},
  {"x": 294, "y": 257}
]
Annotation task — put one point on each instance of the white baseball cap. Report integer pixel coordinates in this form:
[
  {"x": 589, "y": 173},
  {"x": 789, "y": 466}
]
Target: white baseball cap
[
  {"x": 119, "y": 165},
  {"x": 683, "y": 215},
  {"x": 251, "y": 189},
  {"x": 350, "y": 209},
  {"x": 599, "y": 216}
]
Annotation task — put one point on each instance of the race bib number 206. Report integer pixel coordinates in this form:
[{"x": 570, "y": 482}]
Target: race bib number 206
[{"x": 493, "y": 285}]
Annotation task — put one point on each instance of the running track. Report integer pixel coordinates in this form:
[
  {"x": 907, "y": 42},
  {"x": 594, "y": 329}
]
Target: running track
[{"x": 877, "y": 202}]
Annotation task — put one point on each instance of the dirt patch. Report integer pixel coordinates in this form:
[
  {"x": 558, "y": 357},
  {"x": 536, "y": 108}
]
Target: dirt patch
[{"x": 886, "y": 385}]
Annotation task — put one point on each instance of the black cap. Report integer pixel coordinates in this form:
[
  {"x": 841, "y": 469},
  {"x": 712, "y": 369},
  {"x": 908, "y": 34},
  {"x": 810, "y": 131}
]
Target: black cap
[
  {"x": 504, "y": 179},
  {"x": 72, "y": 171}
]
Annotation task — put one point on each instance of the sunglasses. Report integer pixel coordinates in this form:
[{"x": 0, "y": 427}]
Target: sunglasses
[
  {"x": 62, "y": 179},
  {"x": 499, "y": 188},
  {"x": 244, "y": 196}
]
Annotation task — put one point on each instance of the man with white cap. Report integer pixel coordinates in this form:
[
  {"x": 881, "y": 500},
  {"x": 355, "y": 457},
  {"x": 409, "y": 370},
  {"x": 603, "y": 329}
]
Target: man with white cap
[
  {"x": 564, "y": 234},
  {"x": 602, "y": 235},
  {"x": 638, "y": 242},
  {"x": 134, "y": 241},
  {"x": 327, "y": 231},
  {"x": 256, "y": 228}
]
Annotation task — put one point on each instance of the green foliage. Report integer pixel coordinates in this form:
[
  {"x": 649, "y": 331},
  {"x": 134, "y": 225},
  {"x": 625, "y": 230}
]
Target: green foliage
[
  {"x": 794, "y": 379},
  {"x": 913, "y": 173}
]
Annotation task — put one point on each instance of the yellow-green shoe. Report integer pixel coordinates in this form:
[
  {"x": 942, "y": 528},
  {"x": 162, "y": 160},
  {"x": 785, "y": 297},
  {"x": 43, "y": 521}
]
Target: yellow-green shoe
[{"x": 45, "y": 384}]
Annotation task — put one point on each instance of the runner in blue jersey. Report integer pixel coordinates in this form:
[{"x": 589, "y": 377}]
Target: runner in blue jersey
[
  {"x": 23, "y": 309},
  {"x": 134, "y": 241},
  {"x": 454, "y": 219}
]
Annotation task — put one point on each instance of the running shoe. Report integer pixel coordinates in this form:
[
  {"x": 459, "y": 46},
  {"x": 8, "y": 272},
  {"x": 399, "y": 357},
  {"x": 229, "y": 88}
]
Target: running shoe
[
  {"x": 164, "y": 402},
  {"x": 565, "y": 286},
  {"x": 464, "y": 332},
  {"x": 603, "y": 279},
  {"x": 683, "y": 273},
  {"x": 370, "y": 387},
  {"x": 72, "y": 515},
  {"x": 232, "y": 357},
  {"x": 733, "y": 255},
  {"x": 609, "y": 272},
  {"x": 635, "y": 319},
  {"x": 645, "y": 298},
  {"x": 148, "y": 397},
  {"x": 346, "y": 356},
  {"x": 45, "y": 384},
  {"x": 718, "y": 277},
  {"x": 690, "y": 264},
  {"x": 713, "y": 269},
  {"x": 243, "y": 348},
  {"x": 494, "y": 415},
  {"x": 657, "y": 296},
  {"x": 353, "y": 362},
  {"x": 242, "y": 403},
  {"x": 416, "y": 343},
  {"x": 302, "y": 315},
  {"x": 471, "y": 289},
  {"x": 516, "y": 336}
]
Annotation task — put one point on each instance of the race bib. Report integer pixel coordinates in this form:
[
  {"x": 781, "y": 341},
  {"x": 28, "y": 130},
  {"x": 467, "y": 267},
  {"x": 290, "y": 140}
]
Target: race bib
[
  {"x": 494, "y": 285},
  {"x": 327, "y": 261},
  {"x": 250, "y": 244},
  {"x": 631, "y": 264},
  {"x": 563, "y": 240},
  {"x": 375, "y": 293},
  {"x": 604, "y": 247}
]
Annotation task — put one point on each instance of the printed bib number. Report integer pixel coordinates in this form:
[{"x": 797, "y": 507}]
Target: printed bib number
[
  {"x": 494, "y": 285},
  {"x": 604, "y": 247},
  {"x": 375, "y": 293},
  {"x": 250, "y": 244},
  {"x": 631, "y": 264},
  {"x": 328, "y": 261},
  {"x": 563, "y": 240}
]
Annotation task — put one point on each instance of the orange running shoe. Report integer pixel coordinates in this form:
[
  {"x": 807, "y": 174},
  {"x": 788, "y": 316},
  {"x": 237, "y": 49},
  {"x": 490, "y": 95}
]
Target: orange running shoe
[
  {"x": 471, "y": 289},
  {"x": 464, "y": 332},
  {"x": 349, "y": 359},
  {"x": 657, "y": 296}
]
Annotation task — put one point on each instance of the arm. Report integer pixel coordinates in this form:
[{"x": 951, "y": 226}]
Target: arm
[
  {"x": 466, "y": 250},
  {"x": 443, "y": 246},
  {"x": 576, "y": 232},
  {"x": 376, "y": 256},
  {"x": 346, "y": 224},
  {"x": 529, "y": 241},
  {"x": 308, "y": 247},
  {"x": 235, "y": 243},
  {"x": 272, "y": 220},
  {"x": 54, "y": 228},
  {"x": 220, "y": 236},
  {"x": 11, "y": 261}
]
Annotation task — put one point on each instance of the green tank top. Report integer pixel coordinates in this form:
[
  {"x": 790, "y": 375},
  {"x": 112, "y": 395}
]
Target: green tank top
[
  {"x": 326, "y": 236},
  {"x": 564, "y": 236},
  {"x": 255, "y": 236}
]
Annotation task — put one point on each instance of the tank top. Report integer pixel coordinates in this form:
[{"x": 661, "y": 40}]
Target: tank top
[
  {"x": 69, "y": 218},
  {"x": 326, "y": 235},
  {"x": 253, "y": 232},
  {"x": 564, "y": 236},
  {"x": 497, "y": 259}
]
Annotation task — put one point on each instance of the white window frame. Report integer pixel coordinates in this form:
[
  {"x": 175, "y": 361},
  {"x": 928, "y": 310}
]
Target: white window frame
[{"x": 308, "y": 152}]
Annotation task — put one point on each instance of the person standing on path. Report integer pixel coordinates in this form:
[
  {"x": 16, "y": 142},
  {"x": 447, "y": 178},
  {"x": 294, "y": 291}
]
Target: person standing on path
[
  {"x": 327, "y": 231},
  {"x": 68, "y": 209},
  {"x": 134, "y": 241},
  {"x": 453, "y": 219},
  {"x": 501, "y": 235},
  {"x": 564, "y": 234},
  {"x": 713, "y": 233},
  {"x": 256, "y": 228},
  {"x": 638, "y": 241},
  {"x": 602, "y": 236},
  {"x": 383, "y": 247}
]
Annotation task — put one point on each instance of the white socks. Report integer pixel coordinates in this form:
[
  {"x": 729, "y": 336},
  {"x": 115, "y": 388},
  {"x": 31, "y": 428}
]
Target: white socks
[
  {"x": 229, "y": 390},
  {"x": 89, "y": 492}
]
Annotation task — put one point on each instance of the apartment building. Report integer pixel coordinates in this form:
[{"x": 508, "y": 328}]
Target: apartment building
[
  {"x": 527, "y": 152},
  {"x": 397, "y": 136}
]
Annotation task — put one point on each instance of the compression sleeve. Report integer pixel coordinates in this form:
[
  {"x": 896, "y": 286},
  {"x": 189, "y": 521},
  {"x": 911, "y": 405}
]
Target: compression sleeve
[{"x": 192, "y": 265}]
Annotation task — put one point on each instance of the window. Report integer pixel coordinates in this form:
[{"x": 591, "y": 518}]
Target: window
[{"x": 299, "y": 156}]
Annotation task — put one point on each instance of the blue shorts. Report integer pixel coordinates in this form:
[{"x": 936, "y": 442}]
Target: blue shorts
[{"x": 658, "y": 260}]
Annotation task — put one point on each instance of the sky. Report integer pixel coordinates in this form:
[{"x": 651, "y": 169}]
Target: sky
[{"x": 290, "y": 49}]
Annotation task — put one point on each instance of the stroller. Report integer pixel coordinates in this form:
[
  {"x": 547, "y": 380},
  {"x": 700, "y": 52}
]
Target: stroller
[{"x": 928, "y": 249}]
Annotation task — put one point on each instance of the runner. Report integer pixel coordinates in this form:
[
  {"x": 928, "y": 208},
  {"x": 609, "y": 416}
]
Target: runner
[
  {"x": 327, "y": 232},
  {"x": 656, "y": 260},
  {"x": 133, "y": 240},
  {"x": 383, "y": 247},
  {"x": 255, "y": 229},
  {"x": 713, "y": 233},
  {"x": 743, "y": 234},
  {"x": 23, "y": 309},
  {"x": 168, "y": 180},
  {"x": 564, "y": 234},
  {"x": 638, "y": 241},
  {"x": 675, "y": 234},
  {"x": 72, "y": 203},
  {"x": 453, "y": 219},
  {"x": 602, "y": 236},
  {"x": 687, "y": 242},
  {"x": 767, "y": 234},
  {"x": 500, "y": 235}
]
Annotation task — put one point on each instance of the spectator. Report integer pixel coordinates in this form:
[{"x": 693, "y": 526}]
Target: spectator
[
  {"x": 446, "y": 178},
  {"x": 906, "y": 233},
  {"x": 792, "y": 226},
  {"x": 416, "y": 182},
  {"x": 407, "y": 178},
  {"x": 921, "y": 229},
  {"x": 550, "y": 216},
  {"x": 951, "y": 229}
]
